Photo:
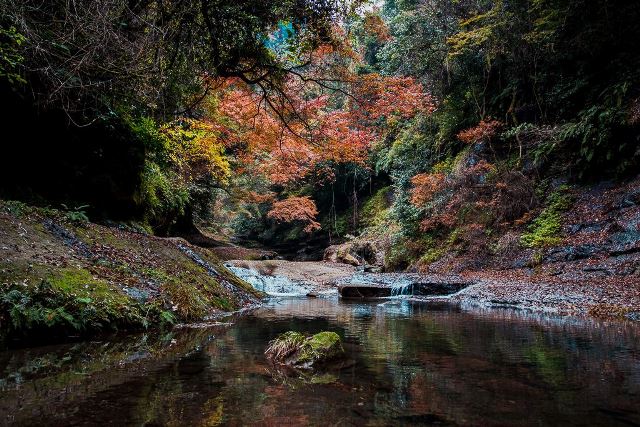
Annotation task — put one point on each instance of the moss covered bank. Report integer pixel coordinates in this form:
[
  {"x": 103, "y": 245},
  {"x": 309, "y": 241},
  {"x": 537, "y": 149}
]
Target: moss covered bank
[{"x": 62, "y": 276}]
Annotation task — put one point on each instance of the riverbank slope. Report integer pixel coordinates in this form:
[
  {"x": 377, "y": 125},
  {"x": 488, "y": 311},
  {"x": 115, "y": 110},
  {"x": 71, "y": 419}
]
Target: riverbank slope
[
  {"x": 61, "y": 276},
  {"x": 579, "y": 253}
]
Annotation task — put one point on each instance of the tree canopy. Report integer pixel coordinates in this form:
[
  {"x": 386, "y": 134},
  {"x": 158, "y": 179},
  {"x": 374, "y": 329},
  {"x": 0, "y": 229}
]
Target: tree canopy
[{"x": 298, "y": 112}]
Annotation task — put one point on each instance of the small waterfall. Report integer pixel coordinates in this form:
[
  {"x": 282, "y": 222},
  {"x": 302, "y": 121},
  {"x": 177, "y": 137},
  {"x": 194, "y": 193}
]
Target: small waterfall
[
  {"x": 271, "y": 285},
  {"x": 400, "y": 289},
  {"x": 399, "y": 285}
]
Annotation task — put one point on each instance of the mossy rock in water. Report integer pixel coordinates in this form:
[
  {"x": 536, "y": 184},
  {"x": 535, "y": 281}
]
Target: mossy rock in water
[{"x": 294, "y": 349}]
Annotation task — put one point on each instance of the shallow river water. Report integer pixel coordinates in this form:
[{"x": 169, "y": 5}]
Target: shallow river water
[{"x": 408, "y": 363}]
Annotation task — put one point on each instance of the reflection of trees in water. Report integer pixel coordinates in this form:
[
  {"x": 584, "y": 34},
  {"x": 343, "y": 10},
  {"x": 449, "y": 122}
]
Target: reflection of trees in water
[
  {"x": 86, "y": 370},
  {"x": 462, "y": 365},
  {"x": 413, "y": 362}
]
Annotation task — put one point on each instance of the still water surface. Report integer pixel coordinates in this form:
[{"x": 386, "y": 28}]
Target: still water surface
[{"x": 408, "y": 363}]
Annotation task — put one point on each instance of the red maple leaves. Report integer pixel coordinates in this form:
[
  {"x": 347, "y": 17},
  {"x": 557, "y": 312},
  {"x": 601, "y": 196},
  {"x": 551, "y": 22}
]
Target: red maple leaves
[
  {"x": 483, "y": 131},
  {"x": 296, "y": 209}
]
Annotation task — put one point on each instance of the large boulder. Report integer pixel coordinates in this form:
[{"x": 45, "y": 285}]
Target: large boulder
[
  {"x": 340, "y": 254},
  {"x": 356, "y": 252},
  {"x": 299, "y": 351}
]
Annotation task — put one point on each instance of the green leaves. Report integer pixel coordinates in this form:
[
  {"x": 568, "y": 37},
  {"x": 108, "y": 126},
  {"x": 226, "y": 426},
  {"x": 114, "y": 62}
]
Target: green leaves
[
  {"x": 476, "y": 31},
  {"x": 11, "y": 55}
]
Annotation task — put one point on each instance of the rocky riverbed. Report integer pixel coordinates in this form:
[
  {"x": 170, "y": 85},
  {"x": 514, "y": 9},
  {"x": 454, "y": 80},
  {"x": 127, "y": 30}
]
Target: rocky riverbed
[{"x": 607, "y": 297}]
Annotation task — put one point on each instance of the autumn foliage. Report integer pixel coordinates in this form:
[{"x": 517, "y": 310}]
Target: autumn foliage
[
  {"x": 296, "y": 209},
  {"x": 375, "y": 26},
  {"x": 321, "y": 115},
  {"x": 482, "y": 132},
  {"x": 285, "y": 143},
  {"x": 195, "y": 149},
  {"x": 425, "y": 186},
  {"x": 384, "y": 96},
  {"x": 475, "y": 193}
]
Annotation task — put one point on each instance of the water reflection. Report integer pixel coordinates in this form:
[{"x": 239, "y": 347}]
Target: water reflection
[{"x": 412, "y": 364}]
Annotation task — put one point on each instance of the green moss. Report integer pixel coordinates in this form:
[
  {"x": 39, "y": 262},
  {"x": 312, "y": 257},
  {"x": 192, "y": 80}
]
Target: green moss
[
  {"x": 156, "y": 274},
  {"x": 187, "y": 300},
  {"x": 321, "y": 346},
  {"x": 375, "y": 209},
  {"x": 296, "y": 349},
  {"x": 79, "y": 283},
  {"x": 67, "y": 300},
  {"x": 546, "y": 229}
]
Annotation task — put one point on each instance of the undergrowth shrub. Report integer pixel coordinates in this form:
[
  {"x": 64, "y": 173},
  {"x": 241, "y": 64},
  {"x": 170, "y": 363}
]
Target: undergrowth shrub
[
  {"x": 184, "y": 164},
  {"x": 76, "y": 215},
  {"x": 72, "y": 302},
  {"x": 546, "y": 229}
]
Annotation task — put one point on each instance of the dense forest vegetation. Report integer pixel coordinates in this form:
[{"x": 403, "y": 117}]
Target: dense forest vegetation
[
  {"x": 430, "y": 122},
  {"x": 320, "y": 212}
]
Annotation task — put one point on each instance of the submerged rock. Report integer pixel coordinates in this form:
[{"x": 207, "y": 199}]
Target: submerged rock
[{"x": 297, "y": 350}]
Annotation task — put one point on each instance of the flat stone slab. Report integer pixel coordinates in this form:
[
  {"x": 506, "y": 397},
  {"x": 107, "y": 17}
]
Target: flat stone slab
[{"x": 383, "y": 290}]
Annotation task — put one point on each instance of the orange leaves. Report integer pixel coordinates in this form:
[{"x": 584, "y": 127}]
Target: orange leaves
[
  {"x": 296, "y": 209},
  {"x": 254, "y": 197},
  {"x": 344, "y": 140},
  {"x": 478, "y": 169},
  {"x": 286, "y": 151},
  {"x": 374, "y": 25},
  {"x": 285, "y": 145},
  {"x": 322, "y": 113},
  {"x": 461, "y": 195},
  {"x": 386, "y": 96},
  {"x": 446, "y": 220},
  {"x": 425, "y": 186},
  {"x": 482, "y": 132}
]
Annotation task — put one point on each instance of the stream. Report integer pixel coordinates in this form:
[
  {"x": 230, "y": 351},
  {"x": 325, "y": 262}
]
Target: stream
[{"x": 408, "y": 363}]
